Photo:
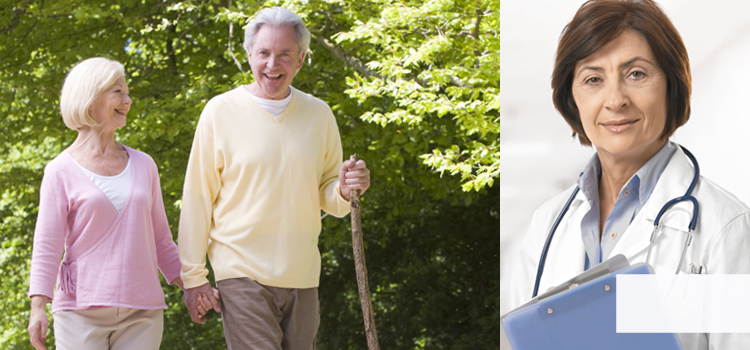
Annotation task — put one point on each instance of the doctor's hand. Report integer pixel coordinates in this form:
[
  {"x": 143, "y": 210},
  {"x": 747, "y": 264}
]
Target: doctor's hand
[
  {"x": 353, "y": 176},
  {"x": 38, "y": 322},
  {"x": 199, "y": 300}
]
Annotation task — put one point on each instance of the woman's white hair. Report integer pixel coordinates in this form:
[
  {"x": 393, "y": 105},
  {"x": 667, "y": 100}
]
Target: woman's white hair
[
  {"x": 276, "y": 17},
  {"x": 84, "y": 83}
]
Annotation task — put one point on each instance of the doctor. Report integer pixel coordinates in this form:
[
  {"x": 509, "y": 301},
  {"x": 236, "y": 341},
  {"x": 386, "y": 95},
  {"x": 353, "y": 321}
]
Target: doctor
[{"x": 622, "y": 82}]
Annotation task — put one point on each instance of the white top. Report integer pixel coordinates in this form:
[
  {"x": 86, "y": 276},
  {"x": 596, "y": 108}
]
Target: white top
[
  {"x": 116, "y": 188},
  {"x": 275, "y": 107}
]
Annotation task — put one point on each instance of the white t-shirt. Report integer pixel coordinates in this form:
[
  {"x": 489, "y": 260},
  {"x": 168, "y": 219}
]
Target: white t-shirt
[
  {"x": 275, "y": 107},
  {"x": 116, "y": 187}
]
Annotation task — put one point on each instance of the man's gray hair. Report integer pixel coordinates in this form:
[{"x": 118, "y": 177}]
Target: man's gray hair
[{"x": 277, "y": 16}]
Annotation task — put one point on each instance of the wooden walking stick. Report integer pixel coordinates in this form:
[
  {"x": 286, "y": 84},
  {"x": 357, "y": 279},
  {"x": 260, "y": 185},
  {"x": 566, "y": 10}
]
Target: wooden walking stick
[{"x": 361, "y": 267}]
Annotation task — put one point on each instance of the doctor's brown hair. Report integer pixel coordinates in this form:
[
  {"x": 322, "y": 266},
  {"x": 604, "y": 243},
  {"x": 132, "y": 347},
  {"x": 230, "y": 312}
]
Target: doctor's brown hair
[{"x": 597, "y": 23}]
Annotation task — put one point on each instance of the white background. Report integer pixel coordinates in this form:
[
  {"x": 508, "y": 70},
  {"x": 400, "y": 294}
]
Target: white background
[{"x": 539, "y": 158}]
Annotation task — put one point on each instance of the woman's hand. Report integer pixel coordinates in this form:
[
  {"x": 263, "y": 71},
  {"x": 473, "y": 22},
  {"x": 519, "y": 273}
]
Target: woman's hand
[
  {"x": 178, "y": 282},
  {"x": 204, "y": 304},
  {"x": 38, "y": 322}
]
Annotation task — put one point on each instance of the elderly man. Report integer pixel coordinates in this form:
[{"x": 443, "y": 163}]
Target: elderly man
[{"x": 265, "y": 160}]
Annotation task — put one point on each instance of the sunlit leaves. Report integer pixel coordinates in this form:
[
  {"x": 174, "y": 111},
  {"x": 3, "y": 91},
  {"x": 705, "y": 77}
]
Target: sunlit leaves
[{"x": 431, "y": 60}]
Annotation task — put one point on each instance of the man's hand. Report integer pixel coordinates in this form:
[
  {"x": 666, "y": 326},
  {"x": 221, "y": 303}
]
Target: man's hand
[
  {"x": 199, "y": 300},
  {"x": 204, "y": 303},
  {"x": 38, "y": 322},
  {"x": 353, "y": 176}
]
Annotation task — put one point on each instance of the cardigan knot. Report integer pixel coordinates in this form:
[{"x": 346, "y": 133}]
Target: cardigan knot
[{"x": 66, "y": 282}]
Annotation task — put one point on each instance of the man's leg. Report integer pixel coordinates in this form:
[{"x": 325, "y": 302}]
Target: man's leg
[
  {"x": 301, "y": 319},
  {"x": 250, "y": 315},
  {"x": 261, "y": 317}
]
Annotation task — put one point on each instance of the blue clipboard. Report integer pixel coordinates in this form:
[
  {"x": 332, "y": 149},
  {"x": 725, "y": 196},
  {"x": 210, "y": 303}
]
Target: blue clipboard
[{"x": 580, "y": 314}]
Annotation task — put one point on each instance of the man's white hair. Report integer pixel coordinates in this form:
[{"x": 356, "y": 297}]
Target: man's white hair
[{"x": 277, "y": 16}]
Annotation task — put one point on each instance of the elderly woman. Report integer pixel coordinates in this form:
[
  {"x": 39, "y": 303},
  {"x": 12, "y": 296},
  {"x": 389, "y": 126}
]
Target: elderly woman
[
  {"x": 622, "y": 82},
  {"x": 101, "y": 211}
]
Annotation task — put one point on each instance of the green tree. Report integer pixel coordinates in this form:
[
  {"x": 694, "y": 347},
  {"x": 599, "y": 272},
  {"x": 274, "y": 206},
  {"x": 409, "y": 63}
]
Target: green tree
[
  {"x": 414, "y": 87},
  {"x": 427, "y": 61}
]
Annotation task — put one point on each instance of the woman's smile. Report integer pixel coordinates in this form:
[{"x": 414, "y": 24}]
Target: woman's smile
[{"x": 618, "y": 126}]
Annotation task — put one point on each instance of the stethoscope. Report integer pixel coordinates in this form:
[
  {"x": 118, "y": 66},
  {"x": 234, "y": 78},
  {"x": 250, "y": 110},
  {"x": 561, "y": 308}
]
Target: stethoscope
[{"x": 669, "y": 204}]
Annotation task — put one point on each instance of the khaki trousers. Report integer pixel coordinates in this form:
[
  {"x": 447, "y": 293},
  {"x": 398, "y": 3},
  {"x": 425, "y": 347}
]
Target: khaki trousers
[
  {"x": 108, "y": 328},
  {"x": 268, "y": 318}
]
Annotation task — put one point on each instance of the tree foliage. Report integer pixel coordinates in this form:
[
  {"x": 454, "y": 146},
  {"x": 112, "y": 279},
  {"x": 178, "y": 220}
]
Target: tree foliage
[
  {"x": 414, "y": 86},
  {"x": 431, "y": 60}
]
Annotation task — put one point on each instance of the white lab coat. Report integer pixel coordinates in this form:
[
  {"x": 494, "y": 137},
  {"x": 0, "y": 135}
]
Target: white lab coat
[{"x": 721, "y": 241}]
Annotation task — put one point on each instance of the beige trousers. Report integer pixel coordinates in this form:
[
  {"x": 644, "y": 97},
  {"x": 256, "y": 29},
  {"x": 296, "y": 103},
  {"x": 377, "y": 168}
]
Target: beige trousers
[
  {"x": 269, "y": 318},
  {"x": 108, "y": 328}
]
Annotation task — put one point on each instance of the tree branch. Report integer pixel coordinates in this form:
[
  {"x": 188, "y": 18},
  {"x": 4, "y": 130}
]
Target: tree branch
[
  {"x": 477, "y": 53},
  {"x": 361, "y": 68},
  {"x": 229, "y": 42},
  {"x": 172, "y": 59},
  {"x": 25, "y": 36},
  {"x": 354, "y": 62},
  {"x": 16, "y": 20},
  {"x": 27, "y": 32},
  {"x": 231, "y": 51},
  {"x": 172, "y": 48}
]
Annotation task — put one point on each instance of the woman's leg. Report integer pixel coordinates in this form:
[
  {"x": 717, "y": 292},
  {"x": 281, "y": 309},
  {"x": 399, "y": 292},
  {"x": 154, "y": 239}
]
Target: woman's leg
[
  {"x": 84, "y": 329},
  {"x": 138, "y": 329}
]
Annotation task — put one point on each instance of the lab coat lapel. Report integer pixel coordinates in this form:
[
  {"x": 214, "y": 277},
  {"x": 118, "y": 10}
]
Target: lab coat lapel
[
  {"x": 672, "y": 183},
  {"x": 566, "y": 256}
]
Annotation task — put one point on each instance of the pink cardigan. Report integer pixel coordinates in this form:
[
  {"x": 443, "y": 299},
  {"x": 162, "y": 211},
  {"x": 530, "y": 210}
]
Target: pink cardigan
[{"x": 111, "y": 258}]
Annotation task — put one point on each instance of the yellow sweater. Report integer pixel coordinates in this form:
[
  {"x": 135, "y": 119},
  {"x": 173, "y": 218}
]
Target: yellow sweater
[{"x": 254, "y": 188}]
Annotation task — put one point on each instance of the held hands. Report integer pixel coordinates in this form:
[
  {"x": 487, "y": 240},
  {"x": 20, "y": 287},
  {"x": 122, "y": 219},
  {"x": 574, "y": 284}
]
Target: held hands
[
  {"x": 200, "y": 300},
  {"x": 353, "y": 176},
  {"x": 38, "y": 322},
  {"x": 205, "y": 304}
]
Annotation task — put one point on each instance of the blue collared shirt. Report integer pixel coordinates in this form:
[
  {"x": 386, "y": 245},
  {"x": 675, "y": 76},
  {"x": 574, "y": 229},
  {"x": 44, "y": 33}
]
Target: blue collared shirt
[{"x": 629, "y": 202}]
